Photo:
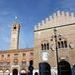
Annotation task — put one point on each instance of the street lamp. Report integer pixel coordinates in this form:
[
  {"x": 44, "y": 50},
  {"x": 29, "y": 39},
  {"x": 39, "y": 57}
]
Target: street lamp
[{"x": 56, "y": 47}]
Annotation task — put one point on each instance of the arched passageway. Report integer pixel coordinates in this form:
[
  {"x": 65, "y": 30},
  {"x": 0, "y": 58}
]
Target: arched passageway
[
  {"x": 44, "y": 68},
  {"x": 64, "y": 68},
  {"x": 15, "y": 72}
]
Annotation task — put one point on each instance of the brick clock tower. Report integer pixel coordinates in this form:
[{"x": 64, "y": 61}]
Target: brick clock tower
[{"x": 15, "y": 31}]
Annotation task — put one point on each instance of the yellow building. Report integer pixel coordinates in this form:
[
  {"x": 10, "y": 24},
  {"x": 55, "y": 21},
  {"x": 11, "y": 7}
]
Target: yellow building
[{"x": 15, "y": 60}]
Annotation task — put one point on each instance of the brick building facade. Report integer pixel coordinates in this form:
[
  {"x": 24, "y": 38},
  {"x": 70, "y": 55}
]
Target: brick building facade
[
  {"x": 46, "y": 39},
  {"x": 56, "y": 31}
]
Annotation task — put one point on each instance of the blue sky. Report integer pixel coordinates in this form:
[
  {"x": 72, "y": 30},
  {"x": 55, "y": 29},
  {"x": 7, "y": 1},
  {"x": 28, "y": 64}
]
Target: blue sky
[{"x": 29, "y": 13}]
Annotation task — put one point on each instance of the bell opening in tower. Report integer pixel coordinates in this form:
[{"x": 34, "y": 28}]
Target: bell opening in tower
[{"x": 14, "y": 27}]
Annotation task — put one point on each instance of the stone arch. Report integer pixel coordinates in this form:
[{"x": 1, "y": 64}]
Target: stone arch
[
  {"x": 44, "y": 68},
  {"x": 15, "y": 72},
  {"x": 64, "y": 68},
  {"x": 45, "y": 45}
]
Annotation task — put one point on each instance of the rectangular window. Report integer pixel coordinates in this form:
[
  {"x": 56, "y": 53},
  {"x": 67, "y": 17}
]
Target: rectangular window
[
  {"x": 8, "y": 55},
  {"x": 24, "y": 54}
]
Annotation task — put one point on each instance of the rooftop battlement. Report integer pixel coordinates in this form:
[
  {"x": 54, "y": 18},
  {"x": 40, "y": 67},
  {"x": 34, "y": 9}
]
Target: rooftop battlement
[{"x": 57, "y": 19}]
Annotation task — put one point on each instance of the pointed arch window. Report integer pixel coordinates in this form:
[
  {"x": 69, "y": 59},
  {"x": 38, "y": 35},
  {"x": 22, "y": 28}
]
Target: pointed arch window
[
  {"x": 59, "y": 45},
  {"x": 42, "y": 46},
  {"x": 45, "y": 46},
  {"x": 62, "y": 44},
  {"x": 65, "y": 43}
]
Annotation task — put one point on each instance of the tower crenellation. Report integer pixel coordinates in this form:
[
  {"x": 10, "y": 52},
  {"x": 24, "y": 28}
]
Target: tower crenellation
[
  {"x": 35, "y": 27},
  {"x": 46, "y": 20},
  {"x": 58, "y": 13},
  {"x": 72, "y": 14},
  {"x": 39, "y": 24},
  {"x": 64, "y": 23},
  {"x": 50, "y": 18},
  {"x": 54, "y": 15},
  {"x": 62, "y": 13},
  {"x": 67, "y": 14},
  {"x": 58, "y": 18},
  {"x": 42, "y": 22}
]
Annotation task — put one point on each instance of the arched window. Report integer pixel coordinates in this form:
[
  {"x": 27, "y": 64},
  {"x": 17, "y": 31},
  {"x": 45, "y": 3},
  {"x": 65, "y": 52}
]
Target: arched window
[
  {"x": 59, "y": 45},
  {"x": 62, "y": 44},
  {"x": 47, "y": 46},
  {"x": 65, "y": 44},
  {"x": 24, "y": 54},
  {"x": 44, "y": 46},
  {"x": 2, "y": 56}
]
